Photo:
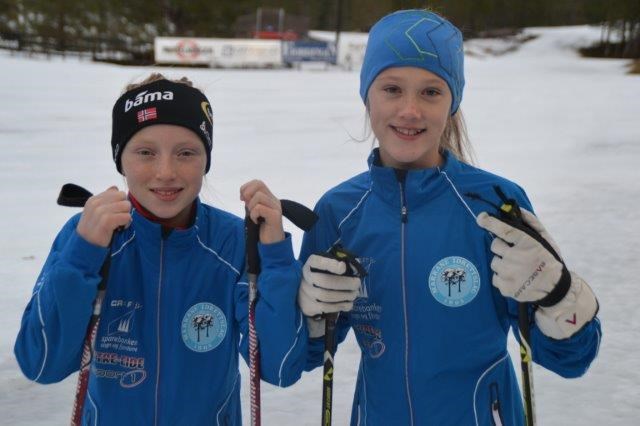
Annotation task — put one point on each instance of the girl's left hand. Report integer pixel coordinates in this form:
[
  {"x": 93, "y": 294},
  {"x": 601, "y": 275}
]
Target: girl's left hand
[{"x": 261, "y": 203}]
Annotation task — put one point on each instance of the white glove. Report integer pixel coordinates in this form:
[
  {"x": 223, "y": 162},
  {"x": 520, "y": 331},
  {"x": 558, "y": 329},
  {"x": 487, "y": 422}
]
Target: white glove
[
  {"x": 568, "y": 316},
  {"x": 527, "y": 265},
  {"x": 326, "y": 288}
]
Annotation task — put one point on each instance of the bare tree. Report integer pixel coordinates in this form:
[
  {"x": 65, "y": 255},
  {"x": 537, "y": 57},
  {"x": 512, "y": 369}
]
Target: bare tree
[
  {"x": 202, "y": 322},
  {"x": 453, "y": 277}
]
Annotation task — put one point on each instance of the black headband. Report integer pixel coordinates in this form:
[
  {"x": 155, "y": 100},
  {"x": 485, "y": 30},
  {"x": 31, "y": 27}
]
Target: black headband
[{"x": 161, "y": 102}]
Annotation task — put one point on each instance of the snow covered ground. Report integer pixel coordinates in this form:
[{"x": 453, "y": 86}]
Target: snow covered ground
[{"x": 566, "y": 128}]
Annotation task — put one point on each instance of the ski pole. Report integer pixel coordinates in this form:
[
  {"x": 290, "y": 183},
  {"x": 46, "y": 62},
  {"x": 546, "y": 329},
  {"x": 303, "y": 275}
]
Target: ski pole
[
  {"x": 511, "y": 212},
  {"x": 253, "y": 269},
  {"x": 329, "y": 334},
  {"x": 526, "y": 365},
  {"x": 72, "y": 195},
  {"x": 304, "y": 219},
  {"x": 327, "y": 374}
]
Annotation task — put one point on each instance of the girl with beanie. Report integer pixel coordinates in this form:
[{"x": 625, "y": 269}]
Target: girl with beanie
[
  {"x": 174, "y": 316},
  {"x": 446, "y": 265}
]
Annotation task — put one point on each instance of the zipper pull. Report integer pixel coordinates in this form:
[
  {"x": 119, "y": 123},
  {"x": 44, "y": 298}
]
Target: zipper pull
[{"x": 401, "y": 176}]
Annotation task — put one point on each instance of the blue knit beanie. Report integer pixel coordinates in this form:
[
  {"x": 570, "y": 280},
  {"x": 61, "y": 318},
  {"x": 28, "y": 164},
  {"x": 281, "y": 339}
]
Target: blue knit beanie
[{"x": 415, "y": 38}]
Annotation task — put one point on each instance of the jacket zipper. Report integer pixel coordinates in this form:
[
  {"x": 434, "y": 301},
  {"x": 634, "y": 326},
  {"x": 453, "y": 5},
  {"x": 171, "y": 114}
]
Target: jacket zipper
[
  {"x": 401, "y": 175},
  {"x": 158, "y": 329},
  {"x": 496, "y": 415}
]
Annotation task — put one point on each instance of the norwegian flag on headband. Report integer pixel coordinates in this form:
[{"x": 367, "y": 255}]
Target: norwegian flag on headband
[{"x": 147, "y": 114}]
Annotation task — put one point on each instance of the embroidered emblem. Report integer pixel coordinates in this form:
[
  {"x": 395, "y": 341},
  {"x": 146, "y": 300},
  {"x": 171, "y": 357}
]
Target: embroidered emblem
[
  {"x": 454, "y": 281},
  {"x": 203, "y": 327}
]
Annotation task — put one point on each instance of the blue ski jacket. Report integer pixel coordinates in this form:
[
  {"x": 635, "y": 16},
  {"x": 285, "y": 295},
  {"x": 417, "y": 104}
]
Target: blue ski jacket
[
  {"x": 431, "y": 327},
  {"x": 173, "y": 320}
]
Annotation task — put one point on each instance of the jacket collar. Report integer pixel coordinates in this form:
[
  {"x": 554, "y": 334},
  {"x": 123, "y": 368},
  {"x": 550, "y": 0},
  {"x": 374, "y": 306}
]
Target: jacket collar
[
  {"x": 150, "y": 231},
  {"x": 420, "y": 185}
]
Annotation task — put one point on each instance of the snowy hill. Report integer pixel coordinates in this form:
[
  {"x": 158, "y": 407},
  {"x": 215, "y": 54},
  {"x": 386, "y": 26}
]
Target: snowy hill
[{"x": 565, "y": 128}]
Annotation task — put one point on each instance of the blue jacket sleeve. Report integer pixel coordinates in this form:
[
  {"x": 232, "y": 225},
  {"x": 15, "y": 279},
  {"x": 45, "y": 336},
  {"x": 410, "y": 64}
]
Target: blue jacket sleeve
[
  {"x": 568, "y": 357},
  {"x": 54, "y": 323},
  {"x": 280, "y": 326}
]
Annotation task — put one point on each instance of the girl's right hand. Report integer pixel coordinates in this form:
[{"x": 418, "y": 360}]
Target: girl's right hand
[
  {"x": 261, "y": 203},
  {"x": 104, "y": 213}
]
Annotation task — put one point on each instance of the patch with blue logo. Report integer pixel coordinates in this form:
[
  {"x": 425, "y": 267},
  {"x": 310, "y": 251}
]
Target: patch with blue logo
[
  {"x": 454, "y": 281},
  {"x": 203, "y": 327}
]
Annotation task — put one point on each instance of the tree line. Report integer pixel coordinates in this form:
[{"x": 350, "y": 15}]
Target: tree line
[{"x": 128, "y": 27}]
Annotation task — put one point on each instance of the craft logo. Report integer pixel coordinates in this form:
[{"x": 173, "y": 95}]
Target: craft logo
[
  {"x": 144, "y": 97},
  {"x": 454, "y": 281},
  {"x": 204, "y": 326}
]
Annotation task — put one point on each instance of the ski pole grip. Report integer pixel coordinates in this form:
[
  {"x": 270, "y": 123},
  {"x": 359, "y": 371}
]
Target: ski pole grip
[
  {"x": 72, "y": 195},
  {"x": 301, "y": 216},
  {"x": 252, "y": 237}
]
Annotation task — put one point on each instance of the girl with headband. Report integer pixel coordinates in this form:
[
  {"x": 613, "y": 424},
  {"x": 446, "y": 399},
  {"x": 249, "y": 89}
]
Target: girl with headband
[
  {"x": 174, "y": 316},
  {"x": 450, "y": 252}
]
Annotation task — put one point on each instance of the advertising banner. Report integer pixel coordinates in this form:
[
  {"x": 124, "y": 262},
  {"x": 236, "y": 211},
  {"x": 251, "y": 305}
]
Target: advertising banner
[{"x": 308, "y": 51}]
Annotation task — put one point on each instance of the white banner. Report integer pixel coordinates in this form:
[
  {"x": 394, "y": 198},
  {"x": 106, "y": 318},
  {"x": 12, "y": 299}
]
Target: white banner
[
  {"x": 218, "y": 52},
  {"x": 173, "y": 50}
]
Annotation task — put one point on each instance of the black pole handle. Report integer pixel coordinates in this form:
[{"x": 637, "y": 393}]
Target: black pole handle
[
  {"x": 301, "y": 216},
  {"x": 252, "y": 237},
  {"x": 72, "y": 195}
]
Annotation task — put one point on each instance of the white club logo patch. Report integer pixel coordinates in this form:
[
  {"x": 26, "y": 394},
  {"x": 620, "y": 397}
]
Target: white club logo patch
[{"x": 454, "y": 281}]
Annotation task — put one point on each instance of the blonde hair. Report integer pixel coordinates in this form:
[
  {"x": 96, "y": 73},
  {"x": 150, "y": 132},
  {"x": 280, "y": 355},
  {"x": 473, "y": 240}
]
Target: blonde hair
[
  {"x": 455, "y": 139},
  {"x": 156, "y": 76}
]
